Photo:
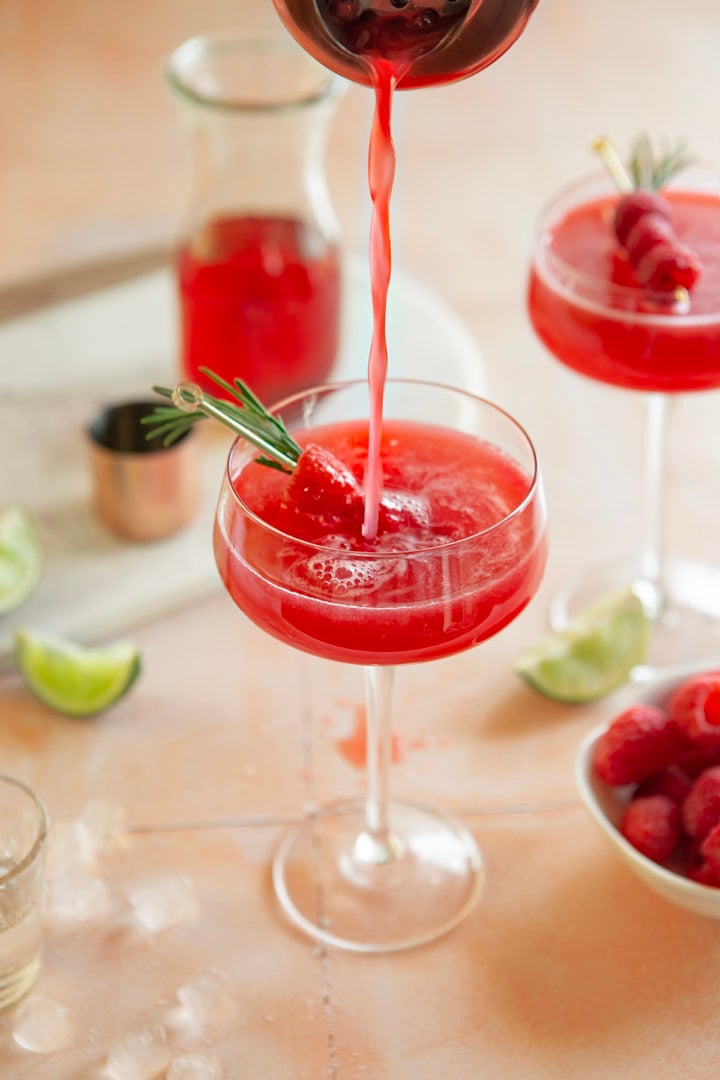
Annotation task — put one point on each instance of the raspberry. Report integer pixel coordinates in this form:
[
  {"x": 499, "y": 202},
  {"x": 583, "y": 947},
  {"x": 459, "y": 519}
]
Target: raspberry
[
  {"x": 643, "y": 227},
  {"x": 710, "y": 851},
  {"x": 668, "y": 265},
  {"x": 701, "y": 808},
  {"x": 645, "y": 235},
  {"x": 652, "y": 824},
  {"x": 640, "y": 742},
  {"x": 704, "y": 874},
  {"x": 695, "y": 709},
  {"x": 633, "y": 207},
  {"x": 673, "y": 782}
]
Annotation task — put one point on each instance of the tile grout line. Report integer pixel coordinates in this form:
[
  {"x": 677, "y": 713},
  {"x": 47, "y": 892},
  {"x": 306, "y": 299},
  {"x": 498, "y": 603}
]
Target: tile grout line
[
  {"x": 252, "y": 821},
  {"x": 321, "y": 950}
]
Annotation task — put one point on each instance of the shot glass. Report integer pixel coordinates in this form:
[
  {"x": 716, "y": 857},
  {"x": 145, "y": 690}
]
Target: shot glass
[
  {"x": 23, "y": 832},
  {"x": 142, "y": 490}
]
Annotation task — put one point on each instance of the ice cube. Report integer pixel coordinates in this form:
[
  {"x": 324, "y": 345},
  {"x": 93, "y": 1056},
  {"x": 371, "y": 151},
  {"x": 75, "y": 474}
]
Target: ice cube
[
  {"x": 79, "y": 896},
  {"x": 42, "y": 1025},
  {"x": 164, "y": 901},
  {"x": 139, "y": 1055},
  {"x": 74, "y": 845},
  {"x": 69, "y": 847},
  {"x": 195, "y": 1067},
  {"x": 206, "y": 998},
  {"x": 105, "y": 825}
]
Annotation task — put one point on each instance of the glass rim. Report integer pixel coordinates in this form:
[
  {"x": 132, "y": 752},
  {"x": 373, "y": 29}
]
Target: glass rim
[
  {"x": 240, "y": 444},
  {"x": 633, "y": 301},
  {"x": 39, "y": 840},
  {"x": 329, "y": 86}
]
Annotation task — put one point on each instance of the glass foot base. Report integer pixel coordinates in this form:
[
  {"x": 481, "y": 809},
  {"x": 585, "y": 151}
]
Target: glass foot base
[
  {"x": 686, "y": 634},
  {"x": 330, "y": 885}
]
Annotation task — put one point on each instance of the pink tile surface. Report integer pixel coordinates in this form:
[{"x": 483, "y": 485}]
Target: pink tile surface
[{"x": 568, "y": 968}]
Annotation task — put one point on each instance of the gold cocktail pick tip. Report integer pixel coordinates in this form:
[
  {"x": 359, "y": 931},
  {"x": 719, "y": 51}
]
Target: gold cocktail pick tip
[
  {"x": 682, "y": 297},
  {"x": 188, "y": 397}
]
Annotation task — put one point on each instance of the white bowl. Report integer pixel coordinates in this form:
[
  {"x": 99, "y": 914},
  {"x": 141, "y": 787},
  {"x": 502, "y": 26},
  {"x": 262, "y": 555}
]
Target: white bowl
[{"x": 606, "y": 805}]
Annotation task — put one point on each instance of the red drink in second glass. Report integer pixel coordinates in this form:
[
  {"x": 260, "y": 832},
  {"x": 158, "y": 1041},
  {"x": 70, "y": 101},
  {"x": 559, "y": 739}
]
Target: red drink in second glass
[
  {"x": 260, "y": 301},
  {"x": 590, "y": 313},
  {"x": 423, "y": 588}
]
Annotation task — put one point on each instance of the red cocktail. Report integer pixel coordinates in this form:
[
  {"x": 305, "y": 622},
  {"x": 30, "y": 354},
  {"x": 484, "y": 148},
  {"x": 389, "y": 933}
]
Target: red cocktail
[
  {"x": 588, "y": 307},
  {"x": 588, "y": 310},
  {"x": 427, "y": 538},
  {"x": 459, "y": 552}
]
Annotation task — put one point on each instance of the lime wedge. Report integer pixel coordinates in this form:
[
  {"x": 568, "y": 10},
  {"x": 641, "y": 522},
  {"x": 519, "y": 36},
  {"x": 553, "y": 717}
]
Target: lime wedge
[
  {"x": 74, "y": 680},
  {"x": 594, "y": 654},
  {"x": 21, "y": 557}
]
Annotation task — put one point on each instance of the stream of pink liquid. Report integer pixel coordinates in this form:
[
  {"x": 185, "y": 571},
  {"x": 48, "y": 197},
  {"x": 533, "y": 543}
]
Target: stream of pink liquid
[{"x": 381, "y": 175}]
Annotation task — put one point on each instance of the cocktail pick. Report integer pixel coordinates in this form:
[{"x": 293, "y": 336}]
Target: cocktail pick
[{"x": 245, "y": 415}]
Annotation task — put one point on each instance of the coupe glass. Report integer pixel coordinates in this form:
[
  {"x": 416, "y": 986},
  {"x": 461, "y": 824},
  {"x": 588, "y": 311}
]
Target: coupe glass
[
  {"x": 626, "y": 337},
  {"x": 376, "y": 875}
]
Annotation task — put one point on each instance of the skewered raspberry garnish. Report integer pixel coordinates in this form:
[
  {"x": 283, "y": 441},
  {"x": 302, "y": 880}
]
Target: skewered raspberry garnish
[
  {"x": 638, "y": 205},
  {"x": 642, "y": 221}
]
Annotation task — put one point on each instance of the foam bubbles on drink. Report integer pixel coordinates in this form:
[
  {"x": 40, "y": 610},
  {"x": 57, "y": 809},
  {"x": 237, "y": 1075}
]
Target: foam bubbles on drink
[
  {"x": 344, "y": 576},
  {"x": 139, "y": 1055},
  {"x": 43, "y": 1026}
]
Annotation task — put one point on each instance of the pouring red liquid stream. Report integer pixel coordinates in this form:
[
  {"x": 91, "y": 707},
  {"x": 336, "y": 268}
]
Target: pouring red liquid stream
[{"x": 393, "y": 44}]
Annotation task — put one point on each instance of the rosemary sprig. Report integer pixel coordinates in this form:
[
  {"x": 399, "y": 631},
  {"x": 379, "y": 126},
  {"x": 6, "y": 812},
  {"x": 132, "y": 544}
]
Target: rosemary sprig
[
  {"x": 245, "y": 415},
  {"x": 651, "y": 169},
  {"x": 647, "y": 168}
]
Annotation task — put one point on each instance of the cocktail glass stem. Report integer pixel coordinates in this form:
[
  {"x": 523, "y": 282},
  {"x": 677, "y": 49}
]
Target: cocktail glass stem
[
  {"x": 376, "y": 844},
  {"x": 653, "y": 564}
]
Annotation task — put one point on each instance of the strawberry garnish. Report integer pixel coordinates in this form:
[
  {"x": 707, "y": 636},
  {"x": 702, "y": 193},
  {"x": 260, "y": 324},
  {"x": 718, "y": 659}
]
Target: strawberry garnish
[
  {"x": 323, "y": 486},
  {"x": 642, "y": 221}
]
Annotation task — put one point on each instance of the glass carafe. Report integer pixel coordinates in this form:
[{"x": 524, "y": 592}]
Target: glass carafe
[{"x": 258, "y": 264}]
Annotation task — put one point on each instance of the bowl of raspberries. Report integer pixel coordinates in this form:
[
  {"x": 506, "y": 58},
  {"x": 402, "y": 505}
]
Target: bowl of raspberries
[{"x": 651, "y": 779}]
